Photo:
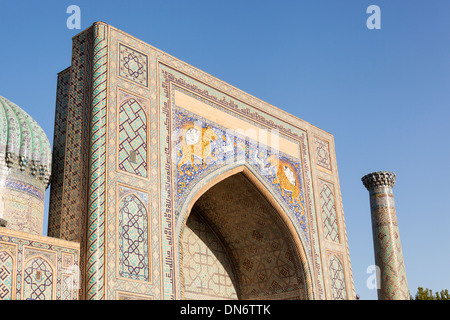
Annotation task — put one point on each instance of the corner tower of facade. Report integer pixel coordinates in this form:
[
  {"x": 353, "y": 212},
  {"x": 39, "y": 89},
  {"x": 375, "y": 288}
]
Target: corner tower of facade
[
  {"x": 386, "y": 236},
  {"x": 154, "y": 160}
]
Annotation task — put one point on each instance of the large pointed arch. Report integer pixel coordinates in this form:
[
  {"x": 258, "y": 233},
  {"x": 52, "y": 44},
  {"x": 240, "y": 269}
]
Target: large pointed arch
[{"x": 222, "y": 174}]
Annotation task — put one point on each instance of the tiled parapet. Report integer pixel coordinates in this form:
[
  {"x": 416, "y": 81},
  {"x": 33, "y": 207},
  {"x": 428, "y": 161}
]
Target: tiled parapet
[{"x": 386, "y": 236}]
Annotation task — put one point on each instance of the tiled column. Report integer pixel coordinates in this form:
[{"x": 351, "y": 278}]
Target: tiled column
[
  {"x": 386, "y": 237},
  {"x": 97, "y": 165}
]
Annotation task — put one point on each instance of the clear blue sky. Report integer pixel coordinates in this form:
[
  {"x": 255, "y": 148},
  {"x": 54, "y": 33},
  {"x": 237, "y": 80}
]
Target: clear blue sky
[{"x": 384, "y": 94}]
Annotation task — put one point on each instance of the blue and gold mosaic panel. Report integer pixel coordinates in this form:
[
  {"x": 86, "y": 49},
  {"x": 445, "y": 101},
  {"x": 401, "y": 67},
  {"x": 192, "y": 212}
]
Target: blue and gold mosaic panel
[{"x": 204, "y": 146}]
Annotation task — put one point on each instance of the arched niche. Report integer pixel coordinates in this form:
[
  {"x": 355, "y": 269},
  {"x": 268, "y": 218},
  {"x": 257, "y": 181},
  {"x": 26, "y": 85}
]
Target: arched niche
[{"x": 256, "y": 243}]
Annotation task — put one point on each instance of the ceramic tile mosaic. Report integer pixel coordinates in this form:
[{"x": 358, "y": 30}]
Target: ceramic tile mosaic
[
  {"x": 386, "y": 236},
  {"x": 322, "y": 153},
  {"x": 32, "y": 268},
  {"x": 337, "y": 277},
  {"x": 95, "y": 259},
  {"x": 133, "y": 139},
  {"x": 168, "y": 131},
  {"x": 6, "y": 275},
  {"x": 133, "y": 65},
  {"x": 329, "y": 213},
  {"x": 59, "y": 144},
  {"x": 133, "y": 234},
  {"x": 264, "y": 258},
  {"x": 208, "y": 272}
]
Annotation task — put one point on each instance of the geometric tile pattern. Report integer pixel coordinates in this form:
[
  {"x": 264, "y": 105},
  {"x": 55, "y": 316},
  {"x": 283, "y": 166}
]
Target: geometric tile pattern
[
  {"x": 193, "y": 170},
  {"x": 97, "y": 164},
  {"x": 133, "y": 239},
  {"x": 119, "y": 236},
  {"x": 329, "y": 218},
  {"x": 337, "y": 278},
  {"x": 38, "y": 267},
  {"x": 259, "y": 246},
  {"x": 386, "y": 237},
  {"x": 133, "y": 65},
  {"x": 38, "y": 280},
  {"x": 133, "y": 138},
  {"x": 6, "y": 275},
  {"x": 207, "y": 270},
  {"x": 67, "y": 287},
  {"x": 69, "y": 190},
  {"x": 322, "y": 153},
  {"x": 389, "y": 258},
  {"x": 58, "y": 154},
  {"x": 72, "y": 204},
  {"x": 67, "y": 260},
  {"x": 131, "y": 296},
  {"x": 126, "y": 273}
]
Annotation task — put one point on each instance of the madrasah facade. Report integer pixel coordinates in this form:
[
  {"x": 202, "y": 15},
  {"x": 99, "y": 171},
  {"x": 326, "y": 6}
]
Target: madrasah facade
[{"x": 168, "y": 183}]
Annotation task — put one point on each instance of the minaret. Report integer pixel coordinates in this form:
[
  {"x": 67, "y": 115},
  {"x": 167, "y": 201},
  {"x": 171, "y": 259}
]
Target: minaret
[{"x": 386, "y": 237}]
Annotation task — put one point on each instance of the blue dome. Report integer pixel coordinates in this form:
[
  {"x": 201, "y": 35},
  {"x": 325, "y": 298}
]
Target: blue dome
[{"x": 23, "y": 143}]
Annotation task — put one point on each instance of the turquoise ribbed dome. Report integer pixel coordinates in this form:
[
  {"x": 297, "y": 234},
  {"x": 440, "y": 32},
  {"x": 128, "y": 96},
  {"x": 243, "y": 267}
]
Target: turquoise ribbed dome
[{"x": 23, "y": 143}]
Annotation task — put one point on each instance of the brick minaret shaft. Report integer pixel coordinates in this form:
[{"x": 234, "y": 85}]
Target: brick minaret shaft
[{"x": 386, "y": 236}]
